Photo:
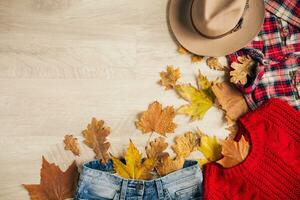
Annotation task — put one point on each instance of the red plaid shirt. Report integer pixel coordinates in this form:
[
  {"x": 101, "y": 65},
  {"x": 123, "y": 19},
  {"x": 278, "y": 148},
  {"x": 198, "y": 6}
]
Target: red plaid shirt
[{"x": 277, "y": 52}]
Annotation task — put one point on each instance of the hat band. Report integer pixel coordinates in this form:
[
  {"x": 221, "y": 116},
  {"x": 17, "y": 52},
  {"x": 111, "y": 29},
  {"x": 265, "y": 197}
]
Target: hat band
[{"x": 237, "y": 27}]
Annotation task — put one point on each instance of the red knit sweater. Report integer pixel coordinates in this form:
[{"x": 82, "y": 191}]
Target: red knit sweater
[{"x": 272, "y": 168}]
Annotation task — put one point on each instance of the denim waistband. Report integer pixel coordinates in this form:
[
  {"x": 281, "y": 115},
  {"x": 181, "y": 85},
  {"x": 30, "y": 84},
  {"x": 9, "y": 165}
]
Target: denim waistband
[{"x": 103, "y": 177}]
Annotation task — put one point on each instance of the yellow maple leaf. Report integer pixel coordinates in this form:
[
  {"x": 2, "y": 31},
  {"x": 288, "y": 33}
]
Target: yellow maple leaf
[
  {"x": 241, "y": 69},
  {"x": 234, "y": 152},
  {"x": 201, "y": 99},
  {"x": 95, "y": 137},
  {"x": 157, "y": 119},
  {"x": 168, "y": 165},
  {"x": 196, "y": 58},
  {"x": 210, "y": 148},
  {"x": 134, "y": 168},
  {"x": 185, "y": 144},
  {"x": 213, "y": 63},
  {"x": 204, "y": 84},
  {"x": 72, "y": 144},
  {"x": 169, "y": 77}
]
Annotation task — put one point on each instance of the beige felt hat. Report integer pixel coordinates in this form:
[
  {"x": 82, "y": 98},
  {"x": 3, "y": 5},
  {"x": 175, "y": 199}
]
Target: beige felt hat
[{"x": 215, "y": 27}]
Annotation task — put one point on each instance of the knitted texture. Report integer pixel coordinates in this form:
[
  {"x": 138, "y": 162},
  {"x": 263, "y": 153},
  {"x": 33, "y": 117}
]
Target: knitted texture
[{"x": 272, "y": 168}]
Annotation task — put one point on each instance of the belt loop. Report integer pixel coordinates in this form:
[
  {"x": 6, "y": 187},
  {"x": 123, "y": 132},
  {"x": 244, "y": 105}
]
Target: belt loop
[
  {"x": 123, "y": 189},
  {"x": 160, "y": 191}
]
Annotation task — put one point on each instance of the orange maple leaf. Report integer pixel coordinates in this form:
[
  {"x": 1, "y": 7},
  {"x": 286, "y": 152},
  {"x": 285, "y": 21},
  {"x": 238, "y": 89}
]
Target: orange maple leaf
[
  {"x": 54, "y": 184},
  {"x": 234, "y": 152},
  {"x": 95, "y": 137},
  {"x": 168, "y": 165},
  {"x": 155, "y": 149},
  {"x": 157, "y": 119},
  {"x": 169, "y": 77}
]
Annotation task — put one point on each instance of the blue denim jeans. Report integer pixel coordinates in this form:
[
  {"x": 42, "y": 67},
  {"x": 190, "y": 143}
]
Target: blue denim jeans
[{"x": 99, "y": 182}]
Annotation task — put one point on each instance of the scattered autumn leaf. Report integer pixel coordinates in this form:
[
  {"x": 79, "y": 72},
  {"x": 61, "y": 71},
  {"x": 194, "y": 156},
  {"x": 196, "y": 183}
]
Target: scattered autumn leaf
[
  {"x": 155, "y": 149},
  {"x": 232, "y": 127},
  {"x": 182, "y": 50},
  {"x": 169, "y": 77},
  {"x": 205, "y": 85},
  {"x": 232, "y": 131},
  {"x": 196, "y": 58},
  {"x": 163, "y": 163},
  {"x": 210, "y": 148},
  {"x": 95, "y": 137},
  {"x": 214, "y": 63},
  {"x": 72, "y": 144},
  {"x": 168, "y": 165},
  {"x": 185, "y": 144},
  {"x": 230, "y": 100},
  {"x": 134, "y": 168},
  {"x": 234, "y": 152},
  {"x": 201, "y": 99},
  {"x": 241, "y": 69},
  {"x": 157, "y": 119},
  {"x": 54, "y": 184}
]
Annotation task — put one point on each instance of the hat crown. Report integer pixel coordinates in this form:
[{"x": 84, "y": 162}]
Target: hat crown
[{"x": 214, "y": 18}]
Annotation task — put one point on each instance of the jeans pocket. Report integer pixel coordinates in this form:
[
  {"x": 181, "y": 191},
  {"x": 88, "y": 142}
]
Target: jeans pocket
[
  {"x": 167, "y": 195},
  {"x": 97, "y": 192},
  {"x": 190, "y": 193}
]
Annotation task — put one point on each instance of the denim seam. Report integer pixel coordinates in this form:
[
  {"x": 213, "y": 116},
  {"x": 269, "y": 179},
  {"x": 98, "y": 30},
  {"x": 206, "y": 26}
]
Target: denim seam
[{"x": 182, "y": 180}]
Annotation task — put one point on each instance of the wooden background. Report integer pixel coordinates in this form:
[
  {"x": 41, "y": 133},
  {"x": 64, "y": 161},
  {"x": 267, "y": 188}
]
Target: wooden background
[{"x": 64, "y": 61}]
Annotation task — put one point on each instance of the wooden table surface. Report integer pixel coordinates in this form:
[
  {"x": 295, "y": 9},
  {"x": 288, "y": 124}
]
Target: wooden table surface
[{"x": 63, "y": 62}]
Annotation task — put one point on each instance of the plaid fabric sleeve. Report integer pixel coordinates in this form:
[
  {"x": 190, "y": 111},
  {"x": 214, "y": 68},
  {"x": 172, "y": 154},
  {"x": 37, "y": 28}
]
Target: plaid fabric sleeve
[
  {"x": 289, "y": 10},
  {"x": 276, "y": 50}
]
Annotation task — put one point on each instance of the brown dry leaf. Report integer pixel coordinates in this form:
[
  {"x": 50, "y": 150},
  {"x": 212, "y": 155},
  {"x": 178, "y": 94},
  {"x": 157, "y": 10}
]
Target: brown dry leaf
[
  {"x": 213, "y": 63},
  {"x": 72, "y": 144},
  {"x": 54, "y": 184},
  {"x": 232, "y": 127},
  {"x": 185, "y": 144},
  {"x": 157, "y": 119},
  {"x": 232, "y": 131},
  {"x": 196, "y": 58},
  {"x": 168, "y": 165},
  {"x": 241, "y": 69},
  {"x": 155, "y": 149},
  {"x": 95, "y": 137},
  {"x": 169, "y": 77},
  {"x": 163, "y": 163},
  {"x": 230, "y": 100},
  {"x": 233, "y": 152},
  {"x": 182, "y": 50},
  {"x": 134, "y": 167}
]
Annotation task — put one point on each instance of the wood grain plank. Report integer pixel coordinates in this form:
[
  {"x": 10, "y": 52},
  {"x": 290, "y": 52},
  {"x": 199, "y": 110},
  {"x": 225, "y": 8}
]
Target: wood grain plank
[{"x": 63, "y": 62}]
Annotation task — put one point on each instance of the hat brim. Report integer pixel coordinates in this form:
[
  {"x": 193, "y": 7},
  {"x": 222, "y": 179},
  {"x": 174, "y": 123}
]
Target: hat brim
[{"x": 183, "y": 30}]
